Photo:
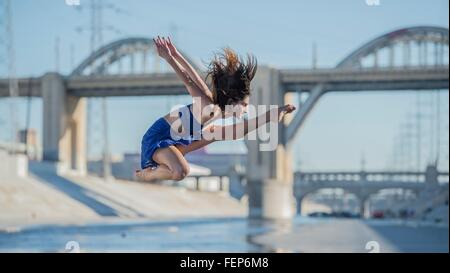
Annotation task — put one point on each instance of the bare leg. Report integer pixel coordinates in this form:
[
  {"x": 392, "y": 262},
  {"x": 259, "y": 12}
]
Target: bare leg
[
  {"x": 171, "y": 165},
  {"x": 193, "y": 146},
  {"x": 163, "y": 171}
]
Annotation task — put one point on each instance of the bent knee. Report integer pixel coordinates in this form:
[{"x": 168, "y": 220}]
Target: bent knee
[{"x": 180, "y": 172}]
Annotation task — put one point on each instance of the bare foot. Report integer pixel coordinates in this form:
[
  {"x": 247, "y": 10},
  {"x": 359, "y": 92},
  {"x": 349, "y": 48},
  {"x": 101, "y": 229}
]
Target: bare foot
[{"x": 144, "y": 175}]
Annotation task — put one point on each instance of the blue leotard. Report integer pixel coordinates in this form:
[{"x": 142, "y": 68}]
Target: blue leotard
[{"x": 159, "y": 135}]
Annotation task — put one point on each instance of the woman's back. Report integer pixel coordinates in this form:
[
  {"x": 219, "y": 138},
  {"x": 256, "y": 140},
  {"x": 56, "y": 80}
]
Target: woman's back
[{"x": 190, "y": 127}]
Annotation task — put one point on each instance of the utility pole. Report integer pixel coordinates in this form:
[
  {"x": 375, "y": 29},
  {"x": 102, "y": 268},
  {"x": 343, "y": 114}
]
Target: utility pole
[
  {"x": 314, "y": 56},
  {"x": 97, "y": 41},
  {"x": 57, "y": 54},
  {"x": 419, "y": 132},
  {"x": 363, "y": 162},
  {"x": 7, "y": 42},
  {"x": 438, "y": 126},
  {"x": 95, "y": 111},
  {"x": 72, "y": 57},
  {"x": 173, "y": 31}
]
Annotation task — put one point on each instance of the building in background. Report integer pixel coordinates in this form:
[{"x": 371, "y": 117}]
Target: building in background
[{"x": 30, "y": 141}]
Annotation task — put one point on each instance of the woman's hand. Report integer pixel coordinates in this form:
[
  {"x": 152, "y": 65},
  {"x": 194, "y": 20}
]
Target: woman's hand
[
  {"x": 173, "y": 50},
  {"x": 287, "y": 109},
  {"x": 163, "y": 48}
]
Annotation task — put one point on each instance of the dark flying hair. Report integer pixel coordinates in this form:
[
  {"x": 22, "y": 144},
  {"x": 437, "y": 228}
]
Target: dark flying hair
[{"x": 230, "y": 77}]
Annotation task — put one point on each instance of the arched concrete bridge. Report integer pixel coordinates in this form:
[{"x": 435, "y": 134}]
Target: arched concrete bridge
[
  {"x": 386, "y": 63},
  {"x": 364, "y": 184}
]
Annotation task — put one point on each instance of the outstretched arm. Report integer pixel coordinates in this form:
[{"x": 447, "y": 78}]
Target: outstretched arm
[
  {"x": 189, "y": 69},
  {"x": 240, "y": 130},
  {"x": 165, "y": 53}
]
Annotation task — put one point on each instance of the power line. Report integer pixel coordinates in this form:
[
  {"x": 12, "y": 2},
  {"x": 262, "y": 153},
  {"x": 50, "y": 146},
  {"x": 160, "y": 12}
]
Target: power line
[
  {"x": 97, "y": 114},
  {"x": 97, "y": 7},
  {"x": 57, "y": 54},
  {"x": 419, "y": 131},
  {"x": 7, "y": 43}
]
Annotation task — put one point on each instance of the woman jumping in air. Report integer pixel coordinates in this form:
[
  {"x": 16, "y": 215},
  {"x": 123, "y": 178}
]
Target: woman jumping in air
[{"x": 164, "y": 144}]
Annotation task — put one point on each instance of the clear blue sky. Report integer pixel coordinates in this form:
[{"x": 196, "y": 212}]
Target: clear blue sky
[{"x": 280, "y": 33}]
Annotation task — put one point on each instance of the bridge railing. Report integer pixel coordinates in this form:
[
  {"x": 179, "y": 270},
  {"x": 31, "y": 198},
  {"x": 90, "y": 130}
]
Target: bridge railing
[
  {"x": 333, "y": 70},
  {"x": 419, "y": 177}
]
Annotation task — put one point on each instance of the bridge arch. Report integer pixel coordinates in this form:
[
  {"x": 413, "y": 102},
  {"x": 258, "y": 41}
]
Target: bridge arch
[
  {"x": 99, "y": 61},
  {"x": 314, "y": 190},
  {"x": 413, "y": 193},
  {"x": 421, "y": 35},
  {"x": 362, "y": 194}
]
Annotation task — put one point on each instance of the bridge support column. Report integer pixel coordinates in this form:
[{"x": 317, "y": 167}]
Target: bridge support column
[
  {"x": 269, "y": 171},
  {"x": 363, "y": 206},
  {"x": 362, "y": 209},
  {"x": 299, "y": 205},
  {"x": 431, "y": 176},
  {"x": 64, "y": 130}
]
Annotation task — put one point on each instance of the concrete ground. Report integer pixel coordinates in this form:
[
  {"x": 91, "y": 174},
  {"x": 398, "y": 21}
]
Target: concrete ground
[
  {"x": 229, "y": 235},
  {"x": 25, "y": 201},
  {"x": 358, "y": 236},
  {"x": 47, "y": 198}
]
